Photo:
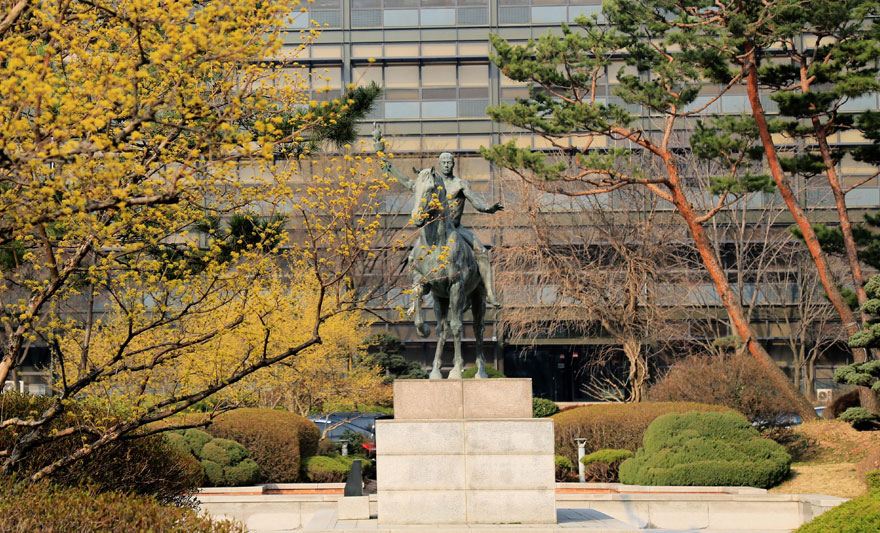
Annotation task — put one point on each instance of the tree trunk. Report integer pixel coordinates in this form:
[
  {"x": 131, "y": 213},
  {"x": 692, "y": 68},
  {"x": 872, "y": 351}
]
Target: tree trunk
[
  {"x": 850, "y": 325},
  {"x": 810, "y": 379},
  {"x": 849, "y": 242},
  {"x": 729, "y": 298},
  {"x": 637, "y": 379}
]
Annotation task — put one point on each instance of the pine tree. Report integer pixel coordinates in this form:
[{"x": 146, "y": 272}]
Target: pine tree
[{"x": 565, "y": 107}]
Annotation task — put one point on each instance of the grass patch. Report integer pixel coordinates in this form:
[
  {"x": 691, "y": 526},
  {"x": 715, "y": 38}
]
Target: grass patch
[
  {"x": 837, "y": 442},
  {"x": 833, "y": 479},
  {"x": 830, "y": 465}
]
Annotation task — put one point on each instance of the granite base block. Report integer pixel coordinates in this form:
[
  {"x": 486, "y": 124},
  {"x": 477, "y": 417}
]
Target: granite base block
[
  {"x": 354, "y": 508},
  {"x": 462, "y": 398}
]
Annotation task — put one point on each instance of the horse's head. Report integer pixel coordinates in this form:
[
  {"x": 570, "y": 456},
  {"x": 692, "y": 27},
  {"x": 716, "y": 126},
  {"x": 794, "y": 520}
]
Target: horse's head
[{"x": 430, "y": 197}]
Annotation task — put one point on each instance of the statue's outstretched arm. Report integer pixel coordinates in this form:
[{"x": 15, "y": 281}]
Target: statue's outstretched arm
[
  {"x": 478, "y": 203},
  {"x": 402, "y": 178}
]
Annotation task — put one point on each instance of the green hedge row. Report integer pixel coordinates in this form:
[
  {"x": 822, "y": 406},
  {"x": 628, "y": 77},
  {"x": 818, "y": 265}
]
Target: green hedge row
[
  {"x": 615, "y": 425},
  {"x": 333, "y": 468}
]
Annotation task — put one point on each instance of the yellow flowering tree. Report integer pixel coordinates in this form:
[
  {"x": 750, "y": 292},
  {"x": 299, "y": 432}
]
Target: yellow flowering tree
[{"x": 162, "y": 226}]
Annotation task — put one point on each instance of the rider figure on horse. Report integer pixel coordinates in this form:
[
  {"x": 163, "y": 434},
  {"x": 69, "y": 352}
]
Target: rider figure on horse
[{"x": 457, "y": 191}]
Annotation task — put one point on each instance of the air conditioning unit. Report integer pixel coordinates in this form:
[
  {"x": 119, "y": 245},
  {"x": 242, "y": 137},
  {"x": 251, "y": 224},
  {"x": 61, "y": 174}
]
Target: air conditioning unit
[{"x": 825, "y": 395}]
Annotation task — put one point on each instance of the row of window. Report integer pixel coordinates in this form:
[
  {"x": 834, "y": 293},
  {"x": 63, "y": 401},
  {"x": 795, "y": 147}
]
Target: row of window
[{"x": 441, "y": 16}]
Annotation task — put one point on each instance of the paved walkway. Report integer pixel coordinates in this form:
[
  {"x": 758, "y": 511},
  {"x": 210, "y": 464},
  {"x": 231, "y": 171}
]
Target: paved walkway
[{"x": 568, "y": 521}]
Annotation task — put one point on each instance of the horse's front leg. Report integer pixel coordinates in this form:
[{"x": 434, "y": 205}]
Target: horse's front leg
[
  {"x": 441, "y": 309},
  {"x": 455, "y": 327},
  {"x": 418, "y": 314}
]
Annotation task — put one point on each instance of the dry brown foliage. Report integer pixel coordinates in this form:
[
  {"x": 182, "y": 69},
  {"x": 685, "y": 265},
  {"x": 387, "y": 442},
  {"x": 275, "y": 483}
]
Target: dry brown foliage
[{"x": 738, "y": 381}]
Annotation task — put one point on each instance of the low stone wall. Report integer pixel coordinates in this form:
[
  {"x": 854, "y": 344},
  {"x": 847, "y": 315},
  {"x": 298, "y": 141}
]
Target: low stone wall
[
  {"x": 271, "y": 507},
  {"x": 695, "y": 508},
  {"x": 290, "y": 507}
]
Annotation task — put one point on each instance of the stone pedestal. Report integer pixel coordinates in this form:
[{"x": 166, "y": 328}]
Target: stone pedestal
[{"x": 465, "y": 452}]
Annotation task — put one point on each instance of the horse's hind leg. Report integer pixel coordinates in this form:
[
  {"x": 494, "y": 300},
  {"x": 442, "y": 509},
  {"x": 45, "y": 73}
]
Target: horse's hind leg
[
  {"x": 478, "y": 308},
  {"x": 441, "y": 310}
]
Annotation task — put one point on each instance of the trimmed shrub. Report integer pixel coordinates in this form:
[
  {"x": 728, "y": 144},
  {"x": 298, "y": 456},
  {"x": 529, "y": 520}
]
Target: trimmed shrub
[
  {"x": 196, "y": 438},
  {"x": 46, "y": 507},
  {"x": 213, "y": 473},
  {"x": 858, "y": 515},
  {"x": 325, "y": 469},
  {"x": 542, "y": 408},
  {"x": 602, "y": 466},
  {"x": 148, "y": 465},
  {"x": 564, "y": 469},
  {"x": 706, "y": 449},
  {"x": 215, "y": 454},
  {"x": 738, "y": 381},
  {"x": 872, "y": 479},
  {"x": 246, "y": 472},
  {"x": 276, "y": 440},
  {"x": 491, "y": 371},
  {"x": 332, "y": 468},
  {"x": 860, "y": 418},
  {"x": 614, "y": 425},
  {"x": 225, "y": 463}
]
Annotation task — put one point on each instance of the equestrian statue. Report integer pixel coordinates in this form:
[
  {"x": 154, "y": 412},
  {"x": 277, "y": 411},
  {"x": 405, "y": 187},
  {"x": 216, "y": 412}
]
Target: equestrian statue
[{"x": 447, "y": 260}]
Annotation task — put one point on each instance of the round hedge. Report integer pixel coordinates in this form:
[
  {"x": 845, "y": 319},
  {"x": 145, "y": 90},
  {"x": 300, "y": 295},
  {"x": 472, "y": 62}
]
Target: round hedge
[
  {"x": 706, "y": 449},
  {"x": 542, "y": 408},
  {"x": 615, "y": 425},
  {"x": 276, "y": 440},
  {"x": 225, "y": 462}
]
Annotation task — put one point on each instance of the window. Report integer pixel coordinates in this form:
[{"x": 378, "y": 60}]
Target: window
[
  {"x": 401, "y": 17},
  {"x": 438, "y": 49},
  {"x": 401, "y": 110},
  {"x": 401, "y": 76},
  {"x": 473, "y": 75},
  {"x": 438, "y": 76},
  {"x": 366, "y": 75}
]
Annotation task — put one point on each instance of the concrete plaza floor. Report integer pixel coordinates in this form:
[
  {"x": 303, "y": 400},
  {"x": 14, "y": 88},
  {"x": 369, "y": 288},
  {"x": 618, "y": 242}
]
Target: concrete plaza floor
[{"x": 568, "y": 521}]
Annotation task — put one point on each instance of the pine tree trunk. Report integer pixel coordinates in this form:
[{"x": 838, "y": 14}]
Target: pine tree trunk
[
  {"x": 729, "y": 298},
  {"x": 850, "y": 325},
  {"x": 849, "y": 242}
]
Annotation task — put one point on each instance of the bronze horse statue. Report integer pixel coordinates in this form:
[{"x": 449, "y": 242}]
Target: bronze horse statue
[{"x": 444, "y": 264}]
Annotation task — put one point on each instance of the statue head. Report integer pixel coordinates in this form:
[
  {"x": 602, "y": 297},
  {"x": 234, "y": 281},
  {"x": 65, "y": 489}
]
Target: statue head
[{"x": 446, "y": 163}]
